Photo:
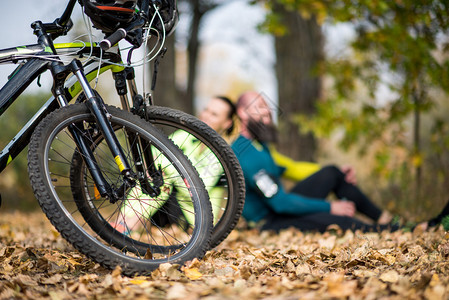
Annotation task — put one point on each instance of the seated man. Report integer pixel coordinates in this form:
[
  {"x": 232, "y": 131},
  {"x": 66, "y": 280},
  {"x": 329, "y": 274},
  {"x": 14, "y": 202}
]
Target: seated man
[{"x": 305, "y": 206}]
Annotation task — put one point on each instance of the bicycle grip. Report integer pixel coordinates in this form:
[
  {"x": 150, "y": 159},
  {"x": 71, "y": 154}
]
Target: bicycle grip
[{"x": 113, "y": 39}]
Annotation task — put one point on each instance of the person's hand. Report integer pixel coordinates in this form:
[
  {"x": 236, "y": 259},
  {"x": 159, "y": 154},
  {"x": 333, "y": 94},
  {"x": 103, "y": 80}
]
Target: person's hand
[
  {"x": 343, "y": 208},
  {"x": 350, "y": 175}
]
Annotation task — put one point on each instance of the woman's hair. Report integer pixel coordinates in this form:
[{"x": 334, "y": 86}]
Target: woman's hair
[{"x": 232, "y": 112}]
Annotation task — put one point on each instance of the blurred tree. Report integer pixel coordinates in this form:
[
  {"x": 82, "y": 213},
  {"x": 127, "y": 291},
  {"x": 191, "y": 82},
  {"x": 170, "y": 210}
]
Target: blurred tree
[
  {"x": 166, "y": 82},
  {"x": 402, "y": 39},
  {"x": 199, "y": 8},
  {"x": 165, "y": 92},
  {"x": 299, "y": 50}
]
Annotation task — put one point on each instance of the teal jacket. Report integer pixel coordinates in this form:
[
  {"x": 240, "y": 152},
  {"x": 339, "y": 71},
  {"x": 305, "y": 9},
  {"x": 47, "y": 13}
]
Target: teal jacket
[{"x": 254, "y": 157}]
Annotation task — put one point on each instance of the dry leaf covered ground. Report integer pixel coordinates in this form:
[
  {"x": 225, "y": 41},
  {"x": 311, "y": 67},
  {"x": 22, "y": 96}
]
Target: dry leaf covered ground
[{"x": 35, "y": 262}]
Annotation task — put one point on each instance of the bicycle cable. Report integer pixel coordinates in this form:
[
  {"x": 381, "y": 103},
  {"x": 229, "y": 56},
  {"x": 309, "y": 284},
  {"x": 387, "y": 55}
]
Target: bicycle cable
[{"x": 99, "y": 69}]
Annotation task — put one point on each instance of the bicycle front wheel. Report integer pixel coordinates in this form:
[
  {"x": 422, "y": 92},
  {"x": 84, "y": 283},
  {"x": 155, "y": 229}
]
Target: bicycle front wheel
[{"x": 119, "y": 232}]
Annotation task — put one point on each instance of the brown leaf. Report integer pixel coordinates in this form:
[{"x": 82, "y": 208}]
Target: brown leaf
[
  {"x": 436, "y": 290},
  {"x": 337, "y": 286},
  {"x": 328, "y": 243},
  {"x": 177, "y": 291},
  {"x": 194, "y": 263},
  {"x": 390, "y": 276},
  {"x": 55, "y": 279},
  {"x": 88, "y": 278},
  {"x": 444, "y": 249},
  {"x": 6, "y": 252},
  {"x": 24, "y": 280},
  {"x": 226, "y": 271},
  {"x": 244, "y": 272},
  {"x": 193, "y": 273},
  {"x": 117, "y": 272},
  {"x": 170, "y": 271},
  {"x": 148, "y": 254},
  {"x": 302, "y": 269}
]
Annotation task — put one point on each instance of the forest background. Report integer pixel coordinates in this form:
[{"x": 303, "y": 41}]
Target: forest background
[{"x": 358, "y": 82}]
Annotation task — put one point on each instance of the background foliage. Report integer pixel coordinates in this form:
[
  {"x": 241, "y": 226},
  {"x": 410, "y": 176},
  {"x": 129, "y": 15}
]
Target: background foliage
[{"x": 14, "y": 183}]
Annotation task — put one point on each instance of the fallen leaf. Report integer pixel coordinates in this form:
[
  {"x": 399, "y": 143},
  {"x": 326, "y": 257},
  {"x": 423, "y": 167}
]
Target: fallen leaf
[
  {"x": 193, "y": 273},
  {"x": 328, "y": 243},
  {"x": 390, "y": 276},
  {"x": 55, "y": 279},
  {"x": 170, "y": 271},
  {"x": 117, "y": 272},
  {"x": 177, "y": 291}
]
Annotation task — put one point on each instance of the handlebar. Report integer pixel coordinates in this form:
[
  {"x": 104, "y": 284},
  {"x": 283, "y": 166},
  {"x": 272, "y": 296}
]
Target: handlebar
[
  {"x": 61, "y": 25},
  {"x": 65, "y": 18},
  {"x": 131, "y": 33},
  {"x": 113, "y": 39}
]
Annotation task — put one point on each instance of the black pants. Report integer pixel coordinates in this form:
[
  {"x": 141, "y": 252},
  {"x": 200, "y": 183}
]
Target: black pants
[{"x": 319, "y": 185}]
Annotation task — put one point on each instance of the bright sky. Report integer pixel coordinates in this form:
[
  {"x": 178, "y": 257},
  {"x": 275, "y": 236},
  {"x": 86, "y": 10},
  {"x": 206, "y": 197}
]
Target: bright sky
[{"x": 17, "y": 16}]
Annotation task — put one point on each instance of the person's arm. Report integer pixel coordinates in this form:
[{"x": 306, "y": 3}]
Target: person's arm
[
  {"x": 271, "y": 192},
  {"x": 279, "y": 201},
  {"x": 295, "y": 170},
  {"x": 210, "y": 168},
  {"x": 293, "y": 204}
]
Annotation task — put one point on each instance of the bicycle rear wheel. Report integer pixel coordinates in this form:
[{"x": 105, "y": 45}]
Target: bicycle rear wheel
[
  {"x": 215, "y": 162},
  {"x": 118, "y": 232}
]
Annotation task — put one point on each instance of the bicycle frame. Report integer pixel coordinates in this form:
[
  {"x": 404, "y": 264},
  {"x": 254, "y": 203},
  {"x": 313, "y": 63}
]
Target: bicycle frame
[
  {"x": 24, "y": 75},
  {"x": 20, "y": 80}
]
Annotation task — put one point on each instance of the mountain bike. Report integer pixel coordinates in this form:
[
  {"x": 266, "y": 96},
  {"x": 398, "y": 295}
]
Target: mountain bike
[
  {"x": 122, "y": 156},
  {"x": 207, "y": 150}
]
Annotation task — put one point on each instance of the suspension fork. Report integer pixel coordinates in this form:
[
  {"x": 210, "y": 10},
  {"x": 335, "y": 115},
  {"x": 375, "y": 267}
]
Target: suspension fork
[
  {"x": 142, "y": 150},
  {"x": 101, "y": 116}
]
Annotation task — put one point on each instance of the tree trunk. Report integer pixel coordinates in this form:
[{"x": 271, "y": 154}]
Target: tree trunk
[
  {"x": 298, "y": 53},
  {"x": 417, "y": 100},
  {"x": 199, "y": 8},
  {"x": 165, "y": 92},
  {"x": 192, "y": 51}
]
